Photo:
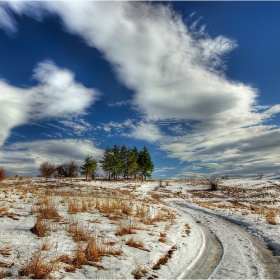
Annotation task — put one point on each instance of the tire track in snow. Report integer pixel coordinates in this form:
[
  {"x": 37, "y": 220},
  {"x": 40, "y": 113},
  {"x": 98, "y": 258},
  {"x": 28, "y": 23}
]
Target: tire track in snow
[{"x": 241, "y": 259}]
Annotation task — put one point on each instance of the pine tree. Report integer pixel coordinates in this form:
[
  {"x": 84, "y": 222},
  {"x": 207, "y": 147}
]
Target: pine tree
[
  {"x": 145, "y": 163},
  {"x": 107, "y": 161},
  {"x": 117, "y": 161},
  {"x": 132, "y": 165},
  {"x": 89, "y": 166},
  {"x": 124, "y": 158}
]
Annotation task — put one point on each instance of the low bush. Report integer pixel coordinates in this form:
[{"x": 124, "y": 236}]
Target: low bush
[
  {"x": 2, "y": 173},
  {"x": 213, "y": 183}
]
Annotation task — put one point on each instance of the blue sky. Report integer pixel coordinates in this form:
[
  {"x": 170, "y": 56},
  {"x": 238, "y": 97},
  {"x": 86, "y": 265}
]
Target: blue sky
[{"x": 195, "y": 82}]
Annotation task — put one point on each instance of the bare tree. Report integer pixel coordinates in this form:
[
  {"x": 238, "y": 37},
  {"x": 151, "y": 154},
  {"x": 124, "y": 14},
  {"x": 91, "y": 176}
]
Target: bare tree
[
  {"x": 213, "y": 183},
  {"x": 260, "y": 175},
  {"x": 47, "y": 169},
  {"x": 70, "y": 169},
  {"x": 2, "y": 173}
]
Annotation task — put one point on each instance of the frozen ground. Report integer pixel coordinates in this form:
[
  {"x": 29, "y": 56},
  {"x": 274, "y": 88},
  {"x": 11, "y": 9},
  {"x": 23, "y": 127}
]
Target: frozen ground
[{"x": 99, "y": 229}]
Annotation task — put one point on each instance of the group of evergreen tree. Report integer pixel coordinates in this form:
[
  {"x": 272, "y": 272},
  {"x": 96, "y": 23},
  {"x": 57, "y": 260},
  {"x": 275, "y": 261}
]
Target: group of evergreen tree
[
  {"x": 117, "y": 162},
  {"x": 127, "y": 162}
]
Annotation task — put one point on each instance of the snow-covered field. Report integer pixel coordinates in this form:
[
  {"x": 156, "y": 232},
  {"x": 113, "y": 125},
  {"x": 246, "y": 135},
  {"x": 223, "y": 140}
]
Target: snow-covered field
[{"x": 72, "y": 228}]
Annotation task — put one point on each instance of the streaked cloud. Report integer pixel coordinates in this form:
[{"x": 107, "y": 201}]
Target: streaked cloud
[
  {"x": 25, "y": 157},
  {"x": 56, "y": 95}
]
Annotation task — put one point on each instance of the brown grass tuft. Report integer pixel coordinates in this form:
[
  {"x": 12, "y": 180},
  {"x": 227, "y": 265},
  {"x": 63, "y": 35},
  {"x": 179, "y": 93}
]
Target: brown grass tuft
[
  {"x": 38, "y": 268},
  {"x": 5, "y": 251},
  {"x": 132, "y": 242},
  {"x": 188, "y": 229},
  {"x": 78, "y": 232},
  {"x": 163, "y": 260},
  {"x": 93, "y": 252},
  {"x": 122, "y": 230},
  {"x": 139, "y": 272},
  {"x": 40, "y": 228},
  {"x": 5, "y": 274},
  {"x": 270, "y": 216}
]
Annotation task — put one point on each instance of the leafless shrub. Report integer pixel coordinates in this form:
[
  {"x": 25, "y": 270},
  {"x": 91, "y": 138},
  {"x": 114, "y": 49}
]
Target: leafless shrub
[
  {"x": 47, "y": 170},
  {"x": 2, "y": 173},
  {"x": 213, "y": 183},
  {"x": 68, "y": 169}
]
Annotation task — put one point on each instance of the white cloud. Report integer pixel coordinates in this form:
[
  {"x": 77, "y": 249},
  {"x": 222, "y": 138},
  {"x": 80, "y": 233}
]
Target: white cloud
[
  {"x": 56, "y": 95},
  {"x": 7, "y": 22},
  {"x": 79, "y": 127},
  {"x": 24, "y": 158},
  {"x": 146, "y": 131},
  {"x": 119, "y": 103}
]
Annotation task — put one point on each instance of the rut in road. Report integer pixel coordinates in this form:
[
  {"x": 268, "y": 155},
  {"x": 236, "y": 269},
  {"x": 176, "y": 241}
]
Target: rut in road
[{"x": 239, "y": 258}]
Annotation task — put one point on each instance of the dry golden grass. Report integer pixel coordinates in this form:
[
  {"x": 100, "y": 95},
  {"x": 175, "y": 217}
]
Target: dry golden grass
[
  {"x": 4, "y": 212},
  {"x": 47, "y": 209},
  {"x": 136, "y": 243},
  {"x": 123, "y": 229},
  {"x": 139, "y": 272},
  {"x": 93, "y": 252},
  {"x": 187, "y": 229},
  {"x": 6, "y": 264},
  {"x": 270, "y": 216},
  {"x": 162, "y": 237},
  {"x": 77, "y": 231},
  {"x": 74, "y": 207},
  {"x": 5, "y": 251},
  {"x": 163, "y": 260},
  {"x": 79, "y": 257},
  {"x": 38, "y": 267},
  {"x": 47, "y": 245},
  {"x": 41, "y": 227},
  {"x": 4, "y": 274}
]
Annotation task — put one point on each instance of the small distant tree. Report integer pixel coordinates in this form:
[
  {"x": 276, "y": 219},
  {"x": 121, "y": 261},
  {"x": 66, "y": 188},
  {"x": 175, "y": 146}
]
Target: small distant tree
[
  {"x": 60, "y": 171},
  {"x": 47, "y": 169},
  {"x": 213, "y": 183},
  {"x": 225, "y": 177},
  {"x": 88, "y": 168},
  {"x": 2, "y": 173},
  {"x": 68, "y": 169},
  {"x": 260, "y": 175}
]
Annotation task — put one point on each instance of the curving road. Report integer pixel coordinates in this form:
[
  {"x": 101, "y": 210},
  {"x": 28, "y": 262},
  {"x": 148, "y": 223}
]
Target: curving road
[{"x": 229, "y": 252}]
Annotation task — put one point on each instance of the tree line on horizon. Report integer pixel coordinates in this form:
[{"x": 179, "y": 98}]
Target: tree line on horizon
[{"x": 117, "y": 162}]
